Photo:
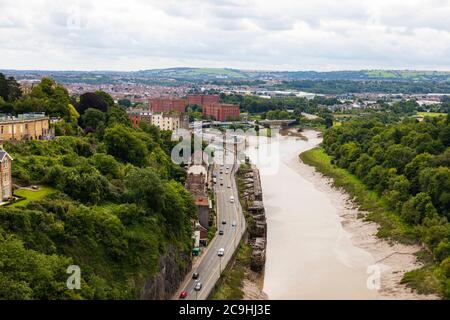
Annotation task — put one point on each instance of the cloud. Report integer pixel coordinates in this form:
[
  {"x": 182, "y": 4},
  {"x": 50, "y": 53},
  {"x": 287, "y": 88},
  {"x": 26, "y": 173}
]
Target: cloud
[{"x": 251, "y": 34}]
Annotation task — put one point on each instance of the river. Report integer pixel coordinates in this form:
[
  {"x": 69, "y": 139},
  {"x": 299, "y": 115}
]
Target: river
[{"x": 309, "y": 255}]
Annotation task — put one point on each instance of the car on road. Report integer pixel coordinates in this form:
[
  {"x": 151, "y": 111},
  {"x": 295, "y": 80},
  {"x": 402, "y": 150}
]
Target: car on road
[
  {"x": 198, "y": 286},
  {"x": 234, "y": 224},
  {"x": 221, "y": 252},
  {"x": 232, "y": 200},
  {"x": 221, "y": 178},
  {"x": 183, "y": 295},
  {"x": 221, "y": 233},
  {"x": 226, "y": 172},
  {"x": 229, "y": 186},
  {"x": 224, "y": 222},
  {"x": 196, "y": 275}
]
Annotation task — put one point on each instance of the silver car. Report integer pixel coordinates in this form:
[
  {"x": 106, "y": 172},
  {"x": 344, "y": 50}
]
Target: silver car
[{"x": 198, "y": 286}]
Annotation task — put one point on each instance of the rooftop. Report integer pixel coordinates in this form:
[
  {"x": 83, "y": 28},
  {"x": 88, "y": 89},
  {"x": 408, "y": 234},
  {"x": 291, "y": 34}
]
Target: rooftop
[{"x": 22, "y": 117}]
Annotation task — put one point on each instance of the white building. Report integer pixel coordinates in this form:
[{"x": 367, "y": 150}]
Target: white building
[{"x": 166, "y": 122}]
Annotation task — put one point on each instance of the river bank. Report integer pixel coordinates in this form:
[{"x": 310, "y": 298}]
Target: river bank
[
  {"x": 392, "y": 258},
  {"x": 317, "y": 246}
]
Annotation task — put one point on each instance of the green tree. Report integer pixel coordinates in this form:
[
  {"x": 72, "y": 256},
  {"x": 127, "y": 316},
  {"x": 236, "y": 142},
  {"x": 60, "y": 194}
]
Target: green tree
[
  {"x": 123, "y": 143},
  {"x": 143, "y": 186},
  {"x": 417, "y": 208},
  {"x": 93, "y": 118},
  {"x": 398, "y": 156}
]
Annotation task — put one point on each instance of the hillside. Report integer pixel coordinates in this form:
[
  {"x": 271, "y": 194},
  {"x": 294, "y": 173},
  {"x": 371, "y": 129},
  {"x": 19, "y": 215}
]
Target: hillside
[{"x": 220, "y": 74}]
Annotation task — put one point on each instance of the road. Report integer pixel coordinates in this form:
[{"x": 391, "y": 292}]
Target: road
[{"x": 210, "y": 265}]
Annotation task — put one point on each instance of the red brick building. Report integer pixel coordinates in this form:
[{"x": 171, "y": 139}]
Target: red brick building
[
  {"x": 201, "y": 99},
  {"x": 165, "y": 105},
  {"x": 137, "y": 115},
  {"x": 222, "y": 111}
]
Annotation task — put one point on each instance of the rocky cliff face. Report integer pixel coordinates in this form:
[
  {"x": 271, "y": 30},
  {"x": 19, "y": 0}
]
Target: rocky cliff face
[{"x": 164, "y": 284}]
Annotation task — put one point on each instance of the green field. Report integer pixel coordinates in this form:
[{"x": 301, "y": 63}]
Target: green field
[
  {"x": 30, "y": 195},
  {"x": 431, "y": 114}
]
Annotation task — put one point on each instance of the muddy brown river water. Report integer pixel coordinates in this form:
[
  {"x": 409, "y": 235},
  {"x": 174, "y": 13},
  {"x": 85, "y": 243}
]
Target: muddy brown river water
[{"x": 309, "y": 255}]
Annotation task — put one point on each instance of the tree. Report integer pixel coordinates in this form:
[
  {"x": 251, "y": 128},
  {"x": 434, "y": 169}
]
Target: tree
[
  {"x": 14, "y": 89},
  {"x": 93, "y": 118},
  {"x": 122, "y": 143},
  {"x": 398, "y": 156},
  {"x": 143, "y": 186},
  {"x": 328, "y": 121},
  {"x": 417, "y": 208},
  {"x": 436, "y": 183},
  {"x": 117, "y": 115},
  {"x": 91, "y": 100},
  {"x": 105, "y": 97},
  {"x": 126, "y": 103},
  {"x": 398, "y": 191},
  {"x": 413, "y": 169},
  {"x": 10, "y": 89},
  {"x": 27, "y": 274},
  {"x": 3, "y": 87}
]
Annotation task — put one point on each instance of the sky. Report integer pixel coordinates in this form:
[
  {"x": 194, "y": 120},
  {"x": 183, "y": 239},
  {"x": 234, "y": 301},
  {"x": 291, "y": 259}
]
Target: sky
[{"x": 320, "y": 35}]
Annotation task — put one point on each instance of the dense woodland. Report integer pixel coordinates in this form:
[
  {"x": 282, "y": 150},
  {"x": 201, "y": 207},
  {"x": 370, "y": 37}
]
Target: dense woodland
[
  {"x": 407, "y": 164},
  {"x": 117, "y": 202}
]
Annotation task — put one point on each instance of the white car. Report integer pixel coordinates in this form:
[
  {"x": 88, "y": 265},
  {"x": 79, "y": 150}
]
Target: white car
[
  {"x": 221, "y": 252},
  {"x": 232, "y": 200}
]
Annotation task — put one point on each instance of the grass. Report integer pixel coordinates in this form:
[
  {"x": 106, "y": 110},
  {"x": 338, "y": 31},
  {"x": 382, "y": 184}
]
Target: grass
[
  {"x": 229, "y": 287},
  {"x": 212, "y": 233},
  {"x": 30, "y": 195},
  {"x": 391, "y": 225},
  {"x": 431, "y": 114},
  {"x": 426, "y": 280}
]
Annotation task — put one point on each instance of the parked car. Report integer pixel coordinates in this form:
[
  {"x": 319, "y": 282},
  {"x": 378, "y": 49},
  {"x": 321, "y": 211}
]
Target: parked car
[
  {"x": 183, "y": 295},
  {"x": 196, "y": 275}
]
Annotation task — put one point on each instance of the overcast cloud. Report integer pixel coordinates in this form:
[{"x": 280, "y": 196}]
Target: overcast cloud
[{"x": 247, "y": 34}]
